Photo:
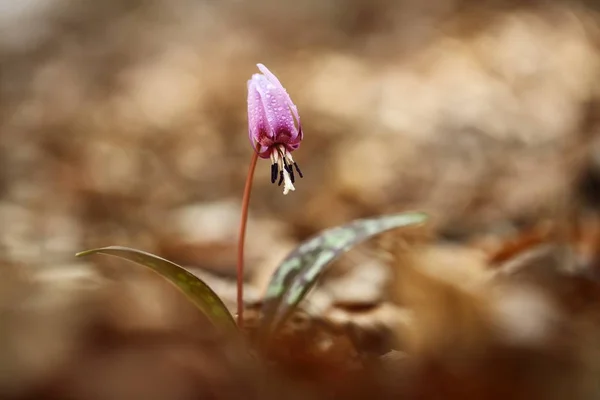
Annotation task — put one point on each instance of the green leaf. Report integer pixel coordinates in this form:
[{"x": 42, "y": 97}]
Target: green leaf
[
  {"x": 193, "y": 287},
  {"x": 300, "y": 270}
]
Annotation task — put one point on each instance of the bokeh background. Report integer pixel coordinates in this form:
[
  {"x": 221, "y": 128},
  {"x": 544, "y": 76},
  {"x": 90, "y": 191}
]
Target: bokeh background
[{"x": 123, "y": 122}]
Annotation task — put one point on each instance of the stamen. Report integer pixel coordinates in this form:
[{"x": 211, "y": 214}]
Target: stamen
[
  {"x": 281, "y": 161},
  {"x": 274, "y": 171},
  {"x": 289, "y": 169},
  {"x": 298, "y": 170}
]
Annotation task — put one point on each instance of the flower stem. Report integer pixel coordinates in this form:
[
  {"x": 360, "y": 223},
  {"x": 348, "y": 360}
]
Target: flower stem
[{"x": 241, "y": 241}]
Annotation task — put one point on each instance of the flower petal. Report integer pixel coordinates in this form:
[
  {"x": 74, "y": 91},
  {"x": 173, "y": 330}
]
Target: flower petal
[
  {"x": 264, "y": 152},
  {"x": 283, "y": 99},
  {"x": 258, "y": 126},
  {"x": 279, "y": 116}
]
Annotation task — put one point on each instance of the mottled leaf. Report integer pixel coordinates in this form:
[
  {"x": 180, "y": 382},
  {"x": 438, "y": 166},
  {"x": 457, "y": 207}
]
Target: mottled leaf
[
  {"x": 193, "y": 287},
  {"x": 300, "y": 270}
]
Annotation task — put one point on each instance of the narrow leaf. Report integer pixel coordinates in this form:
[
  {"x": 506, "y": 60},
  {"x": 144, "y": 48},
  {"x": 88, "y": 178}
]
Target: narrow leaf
[
  {"x": 193, "y": 287},
  {"x": 300, "y": 270}
]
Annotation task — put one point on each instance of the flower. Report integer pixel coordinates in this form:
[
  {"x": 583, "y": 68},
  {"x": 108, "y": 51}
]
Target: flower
[{"x": 274, "y": 126}]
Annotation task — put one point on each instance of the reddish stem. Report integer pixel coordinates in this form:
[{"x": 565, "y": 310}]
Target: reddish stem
[{"x": 242, "y": 238}]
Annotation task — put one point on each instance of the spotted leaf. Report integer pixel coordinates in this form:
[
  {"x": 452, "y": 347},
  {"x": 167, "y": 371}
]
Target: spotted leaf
[{"x": 300, "y": 270}]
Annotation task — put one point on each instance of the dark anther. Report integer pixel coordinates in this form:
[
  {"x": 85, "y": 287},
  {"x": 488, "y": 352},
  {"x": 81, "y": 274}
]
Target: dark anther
[
  {"x": 280, "y": 178},
  {"x": 274, "y": 170},
  {"x": 298, "y": 170},
  {"x": 289, "y": 169}
]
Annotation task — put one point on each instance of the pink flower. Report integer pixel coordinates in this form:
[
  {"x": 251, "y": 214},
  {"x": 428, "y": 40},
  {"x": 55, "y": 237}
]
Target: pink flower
[{"x": 274, "y": 126}]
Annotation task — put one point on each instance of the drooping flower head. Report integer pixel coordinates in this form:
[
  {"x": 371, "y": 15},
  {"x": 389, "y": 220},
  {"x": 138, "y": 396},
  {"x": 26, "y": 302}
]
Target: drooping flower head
[{"x": 274, "y": 126}]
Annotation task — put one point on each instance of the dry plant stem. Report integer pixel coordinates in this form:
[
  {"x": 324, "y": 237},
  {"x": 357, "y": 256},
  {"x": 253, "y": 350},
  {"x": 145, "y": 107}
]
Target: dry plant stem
[{"x": 241, "y": 241}]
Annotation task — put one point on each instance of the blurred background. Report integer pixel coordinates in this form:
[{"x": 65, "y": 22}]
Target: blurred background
[{"x": 123, "y": 122}]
